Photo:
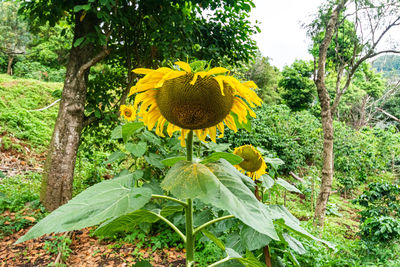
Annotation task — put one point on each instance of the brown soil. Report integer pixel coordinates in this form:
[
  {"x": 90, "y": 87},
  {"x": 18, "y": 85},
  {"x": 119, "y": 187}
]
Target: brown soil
[{"x": 86, "y": 251}]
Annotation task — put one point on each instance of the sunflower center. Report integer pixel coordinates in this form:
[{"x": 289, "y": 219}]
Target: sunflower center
[
  {"x": 251, "y": 159},
  {"x": 128, "y": 113},
  {"x": 195, "y": 106}
]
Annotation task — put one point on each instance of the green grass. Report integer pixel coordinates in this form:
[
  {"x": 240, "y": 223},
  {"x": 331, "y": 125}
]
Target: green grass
[{"x": 17, "y": 98}]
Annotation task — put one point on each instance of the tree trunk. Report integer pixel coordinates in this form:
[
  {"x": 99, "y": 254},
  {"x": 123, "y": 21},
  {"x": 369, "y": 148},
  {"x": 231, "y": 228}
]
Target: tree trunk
[
  {"x": 10, "y": 61},
  {"x": 60, "y": 163},
  {"x": 326, "y": 118},
  {"x": 327, "y": 169}
]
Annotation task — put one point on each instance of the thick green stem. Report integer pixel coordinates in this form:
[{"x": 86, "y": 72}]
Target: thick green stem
[
  {"x": 170, "y": 198},
  {"x": 189, "y": 210},
  {"x": 189, "y": 146},
  {"x": 211, "y": 222},
  {"x": 189, "y": 234}
]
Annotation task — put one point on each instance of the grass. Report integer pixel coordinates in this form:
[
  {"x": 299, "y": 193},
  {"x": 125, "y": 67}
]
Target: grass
[{"x": 18, "y": 97}]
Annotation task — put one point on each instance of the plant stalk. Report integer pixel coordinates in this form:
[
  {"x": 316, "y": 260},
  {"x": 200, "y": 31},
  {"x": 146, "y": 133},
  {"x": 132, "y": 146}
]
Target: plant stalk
[
  {"x": 211, "y": 222},
  {"x": 170, "y": 198},
  {"x": 189, "y": 210}
]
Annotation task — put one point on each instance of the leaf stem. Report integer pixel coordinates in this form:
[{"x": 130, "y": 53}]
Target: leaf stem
[
  {"x": 171, "y": 225},
  {"x": 211, "y": 222},
  {"x": 170, "y": 198},
  {"x": 220, "y": 261}
]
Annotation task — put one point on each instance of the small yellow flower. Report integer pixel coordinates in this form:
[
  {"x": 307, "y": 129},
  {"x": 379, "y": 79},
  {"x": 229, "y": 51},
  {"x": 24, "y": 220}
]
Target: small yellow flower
[
  {"x": 253, "y": 163},
  {"x": 128, "y": 112},
  {"x": 201, "y": 101}
]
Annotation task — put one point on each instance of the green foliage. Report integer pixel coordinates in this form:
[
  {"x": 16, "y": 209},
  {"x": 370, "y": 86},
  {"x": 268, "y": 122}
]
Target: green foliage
[
  {"x": 280, "y": 132},
  {"x": 213, "y": 184},
  {"x": 265, "y": 76},
  {"x": 17, "y": 99},
  {"x": 60, "y": 244},
  {"x": 16, "y": 191},
  {"x": 100, "y": 202},
  {"x": 380, "y": 220},
  {"x": 14, "y": 34},
  {"x": 298, "y": 88}
]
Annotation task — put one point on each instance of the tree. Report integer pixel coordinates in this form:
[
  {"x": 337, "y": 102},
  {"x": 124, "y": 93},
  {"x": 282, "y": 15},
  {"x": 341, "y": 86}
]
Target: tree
[
  {"x": 14, "y": 35},
  {"x": 346, "y": 34},
  {"x": 298, "y": 87},
  {"x": 265, "y": 76},
  {"x": 145, "y": 33}
]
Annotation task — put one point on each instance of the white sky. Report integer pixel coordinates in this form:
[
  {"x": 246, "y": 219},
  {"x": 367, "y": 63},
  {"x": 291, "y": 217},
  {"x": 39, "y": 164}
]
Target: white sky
[{"x": 282, "y": 38}]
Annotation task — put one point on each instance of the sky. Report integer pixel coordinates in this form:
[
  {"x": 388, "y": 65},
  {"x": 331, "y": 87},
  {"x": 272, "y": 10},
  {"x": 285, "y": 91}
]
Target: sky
[{"x": 282, "y": 38}]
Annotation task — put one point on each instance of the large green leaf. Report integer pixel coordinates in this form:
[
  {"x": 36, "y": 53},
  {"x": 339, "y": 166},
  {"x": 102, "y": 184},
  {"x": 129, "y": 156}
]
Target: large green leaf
[
  {"x": 231, "y": 158},
  {"x": 287, "y": 186},
  {"x": 108, "y": 199},
  {"x": 129, "y": 221},
  {"x": 294, "y": 244},
  {"x": 252, "y": 239},
  {"x": 171, "y": 161},
  {"x": 286, "y": 220},
  {"x": 267, "y": 181},
  {"x": 222, "y": 186}
]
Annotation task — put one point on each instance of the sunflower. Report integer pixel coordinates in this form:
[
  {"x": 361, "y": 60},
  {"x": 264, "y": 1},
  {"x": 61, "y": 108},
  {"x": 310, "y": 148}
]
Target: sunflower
[
  {"x": 200, "y": 101},
  {"x": 128, "y": 112},
  {"x": 253, "y": 163}
]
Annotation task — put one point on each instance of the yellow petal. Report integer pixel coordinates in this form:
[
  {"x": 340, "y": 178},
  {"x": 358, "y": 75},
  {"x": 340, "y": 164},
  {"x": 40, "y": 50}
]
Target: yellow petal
[
  {"x": 197, "y": 74},
  {"x": 221, "y": 129},
  {"x": 144, "y": 71},
  {"x": 213, "y": 133},
  {"x": 184, "y": 66},
  {"x": 220, "y": 81},
  {"x": 250, "y": 84},
  {"x": 216, "y": 70}
]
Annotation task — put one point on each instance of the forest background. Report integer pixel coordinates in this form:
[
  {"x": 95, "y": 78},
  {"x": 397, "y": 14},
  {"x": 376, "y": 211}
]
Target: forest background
[{"x": 361, "y": 216}]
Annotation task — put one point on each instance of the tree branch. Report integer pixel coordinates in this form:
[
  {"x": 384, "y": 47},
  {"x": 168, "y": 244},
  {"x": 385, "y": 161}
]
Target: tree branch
[{"x": 388, "y": 114}]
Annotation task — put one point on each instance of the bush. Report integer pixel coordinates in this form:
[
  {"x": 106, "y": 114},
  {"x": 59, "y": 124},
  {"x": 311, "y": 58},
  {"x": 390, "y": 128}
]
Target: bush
[{"x": 295, "y": 137}]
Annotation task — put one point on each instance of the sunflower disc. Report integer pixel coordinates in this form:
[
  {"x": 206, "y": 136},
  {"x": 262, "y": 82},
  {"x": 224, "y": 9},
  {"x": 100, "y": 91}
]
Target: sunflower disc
[{"x": 195, "y": 106}]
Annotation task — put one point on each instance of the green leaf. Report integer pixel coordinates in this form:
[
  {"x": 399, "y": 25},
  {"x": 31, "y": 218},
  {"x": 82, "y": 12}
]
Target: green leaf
[
  {"x": 108, "y": 199},
  {"x": 285, "y": 219},
  {"x": 275, "y": 162},
  {"x": 155, "y": 160},
  {"x": 117, "y": 155},
  {"x": 151, "y": 138},
  {"x": 252, "y": 239},
  {"x": 78, "y": 8},
  {"x": 267, "y": 181},
  {"x": 79, "y": 41},
  {"x": 117, "y": 132},
  {"x": 129, "y": 129},
  {"x": 246, "y": 126},
  {"x": 214, "y": 239},
  {"x": 293, "y": 258},
  {"x": 231, "y": 158},
  {"x": 287, "y": 186},
  {"x": 294, "y": 244},
  {"x": 138, "y": 149},
  {"x": 220, "y": 185},
  {"x": 142, "y": 264},
  {"x": 129, "y": 221},
  {"x": 171, "y": 161}
]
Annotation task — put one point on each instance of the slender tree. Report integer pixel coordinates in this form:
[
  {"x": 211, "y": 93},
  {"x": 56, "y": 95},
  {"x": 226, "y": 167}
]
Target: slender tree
[
  {"x": 14, "y": 34},
  {"x": 346, "y": 33}
]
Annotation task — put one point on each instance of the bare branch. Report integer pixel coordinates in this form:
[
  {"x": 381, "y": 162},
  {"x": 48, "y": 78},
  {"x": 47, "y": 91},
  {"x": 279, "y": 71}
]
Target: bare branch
[{"x": 388, "y": 114}]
